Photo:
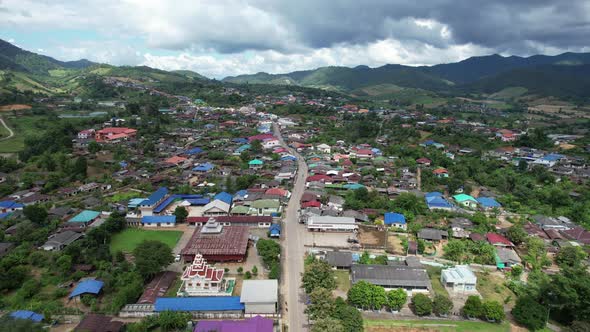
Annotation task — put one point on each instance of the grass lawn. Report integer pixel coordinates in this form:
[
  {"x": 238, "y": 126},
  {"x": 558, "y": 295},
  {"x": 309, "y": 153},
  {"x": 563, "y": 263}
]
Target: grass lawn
[
  {"x": 434, "y": 274},
  {"x": 342, "y": 280},
  {"x": 130, "y": 238},
  {"x": 492, "y": 287},
  {"x": 433, "y": 325},
  {"x": 171, "y": 292}
]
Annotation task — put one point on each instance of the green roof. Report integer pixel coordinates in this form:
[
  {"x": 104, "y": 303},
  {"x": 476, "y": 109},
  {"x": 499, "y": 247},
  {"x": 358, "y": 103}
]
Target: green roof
[
  {"x": 255, "y": 162},
  {"x": 266, "y": 203},
  {"x": 85, "y": 216},
  {"x": 464, "y": 197},
  {"x": 240, "y": 209}
]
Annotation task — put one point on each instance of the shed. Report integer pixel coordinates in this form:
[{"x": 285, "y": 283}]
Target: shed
[
  {"x": 339, "y": 259},
  {"x": 260, "y": 296},
  {"x": 26, "y": 314},
  {"x": 88, "y": 286}
]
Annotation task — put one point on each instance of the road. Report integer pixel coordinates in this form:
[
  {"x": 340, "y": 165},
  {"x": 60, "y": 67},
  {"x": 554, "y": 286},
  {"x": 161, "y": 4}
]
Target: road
[
  {"x": 7, "y": 128},
  {"x": 293, "y": 249}
]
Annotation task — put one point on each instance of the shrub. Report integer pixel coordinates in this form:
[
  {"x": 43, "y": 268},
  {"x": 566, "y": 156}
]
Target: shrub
[{"x": 422, "y": 305}]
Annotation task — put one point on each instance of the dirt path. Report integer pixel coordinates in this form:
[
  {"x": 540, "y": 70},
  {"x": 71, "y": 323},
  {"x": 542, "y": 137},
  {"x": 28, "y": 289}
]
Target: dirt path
[{"x": 7, "y": 128}]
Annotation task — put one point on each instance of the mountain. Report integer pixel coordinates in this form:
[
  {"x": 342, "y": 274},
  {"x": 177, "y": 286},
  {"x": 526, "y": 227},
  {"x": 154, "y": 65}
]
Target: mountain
[
  {"x": 15, "y": 58},
  {"x": 348, "y": 79}
]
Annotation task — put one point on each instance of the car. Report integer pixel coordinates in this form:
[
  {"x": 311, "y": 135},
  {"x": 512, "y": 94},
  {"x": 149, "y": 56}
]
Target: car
[
  {"x": 177, "y": 258},
  {"x": 352, "y": 240}
]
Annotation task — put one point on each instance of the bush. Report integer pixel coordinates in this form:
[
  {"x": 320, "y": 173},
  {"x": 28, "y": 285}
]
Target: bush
[
  {"x": 529, "y": 313},
  {"x": 473, "y": 307},
  {"x": 248, "y": 275},
  {"x": 422, "y": 305},
  {"x": 442, "y": 305},
  {"x": 493, "y": 311}
]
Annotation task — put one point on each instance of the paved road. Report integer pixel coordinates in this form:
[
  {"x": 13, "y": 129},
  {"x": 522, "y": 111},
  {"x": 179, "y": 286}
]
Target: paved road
[
  {"x": 7, "y": 128},
  {"x": 293, "y": 249}
]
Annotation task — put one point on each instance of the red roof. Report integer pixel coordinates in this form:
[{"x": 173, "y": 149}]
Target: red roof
[
  {"x": 261, "y": 137},
  {"x": 318, "y": 178},
  {"x": 440, "y": 171},
  {"x": 364, "y": 152},
  {"x": 116, "y": 130},
  {"x": 497, "y": 239},
  {"x": 277, "y": 192},
  {"x": 232, "y": 219},
  {"x": 175, "y": 160},
  {"x": 579, "y": 234},
  {"x": 233, "y": 240},
  {"x": 309, "y": 204},
  {"x": 423, "y": 161}
]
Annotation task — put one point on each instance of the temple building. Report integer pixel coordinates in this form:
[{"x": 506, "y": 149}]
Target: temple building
[{"x": 202, "y": 279}]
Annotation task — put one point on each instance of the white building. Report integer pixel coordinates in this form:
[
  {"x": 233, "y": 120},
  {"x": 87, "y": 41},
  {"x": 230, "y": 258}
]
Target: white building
[
  {"x": 260, "y": 296},
  {"x": 459, "y": 278},
  {"x": 202, "y": 279},
  {"x": 323, "y": 148},
  {"x": 331, "y": 224},
  {"x": 216, "y": 208}
]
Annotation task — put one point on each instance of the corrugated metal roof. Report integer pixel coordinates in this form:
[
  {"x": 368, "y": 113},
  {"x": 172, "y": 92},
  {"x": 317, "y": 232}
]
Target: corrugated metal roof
[
  {"x": 155, "y": 197},
  {"x": 91, "y": 286},
  {"x": 25, "y": 314},
  {"x": 385, "y": 275},
  {"x": 200, "y": 303},
  {"x": 259, "y": 291},
  {"x": 158, "y": 219},
  {"x": 85, "y": 216}
]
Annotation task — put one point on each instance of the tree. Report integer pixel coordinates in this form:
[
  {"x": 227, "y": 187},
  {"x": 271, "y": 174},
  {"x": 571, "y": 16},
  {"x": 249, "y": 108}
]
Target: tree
[
  {"x": 318, "y": 274},
  {"x": 321, "y": 304},
  {"x": 350, "y": 318},
  {"x": 396, "y": 298},
  {"x": 473, "y": 307},
  {"x": 536, "y": 255},
  {"x": 151, "y": 257},
  {"x": 455, "y": 250},
  {"x": 327, "y": 324},
  {"x": 377, "y": 297},
  {"x": 254, "y": 270},
  {"x": 493, "y": 311},
  {"x": 64, "y": 264},
  {"x": 36, "y": 213},
  {"x": 442, "y": 305},
  {"x": 358, "y": 294},
  {"x": 181, "y": 213},
  {"x": 173, "y": 321},
  {"x": 517, "y": 234},
  {"x": 240, "y": 270},
  {"x": 516, "y": 271},
  {"x": 248, "y": 275},
  {"x": 80, "y": 167},
  {"x": 570, "y": 256},
  {"x": 421, "y": 304},
  {"x": 529, "y": 313},
  {"x": 256, "y": 146},
  {"x": 93, "y": 147}
]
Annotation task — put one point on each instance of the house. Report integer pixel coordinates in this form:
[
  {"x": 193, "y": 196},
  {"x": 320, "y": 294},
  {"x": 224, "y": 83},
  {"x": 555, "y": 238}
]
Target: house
[
  {"x": 441, "y": 172},
  {"x": 459, "y": 278},
  {"x": 203, "y": 168},
  {"x": 396, "y": 220},
  {"x": 553, "y": 223},
  {"x": 265, "y": 207},
  {"x": 85, "y": 218},
  {"x": 88, "y": 286},
  {"x": 506, "y": 258},
  {"x": 331, "y": 224},
  {"x": 28, "y": 315},
  {"x": 323, "y": 148},
  {"x": 431, "y": 234},
  {"x": 436, "y": 201},
  {"x": 217, "y": 243},
  {"x": 58, "y": 241},
  {"x": 158, "y": 221},
  {"x": 147, "y": 206},
  {"x": 498, "y": 240},
  {"x": 424, "y": 161},
  {"x": 216, "y": 208},
  {"x": 465, "y": 200},
  {"x": 410, "y": 279},
  {"x": 488, "y": 203},
  {"x": 339, "y": 259},
  {"x": 254, "y": 324},
  {"x": 86, "y": 134},
  {"x": 98, "y": 323},
  {"x": 461, "y": 227},
  {"x": 202, "y": 279},
  {"x": 10, "y": 206},
  {"x": 114, "y": 134},
  {"x": 255, "y": 164},
  {"x": 336, "y": 202},
  {"x": 260, "y": 296},
  {"x": 175, "y": 160},
  {"x": 577, "y": 234}
]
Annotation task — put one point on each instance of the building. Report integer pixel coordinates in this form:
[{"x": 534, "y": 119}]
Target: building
[
  {"x": 488, "y": 203},
  {"x": 392, "y": 276},
  {"x": 431, "y": 234},
  {"x": 436, "y": 201},
  {"x": 265, "y": 207},
  {"x": 339, "y": 259},
  {"x": 506, "y": 258},
  {"x": 465, "y": 200},
  {"x": 498, "y": 240},
  {"x": 202, "y": 306},
  {"x": 114, "y": 134},
  {"x": 331, "y": 224},
  {"x": 98, "y": 323},
  {"x": 459, "y": 278},
  {"x": 85, "y": 218},
  {"x": 255, "y": 164},
  {"x": 158, "y": 221},
  {"x": 260, "y": 296},
  {"x": 147, "y": 206},
  {"x": 251, "y": 221},
  {"x": 28, "y": 315},
  {"x": 216, "y": 208},
  {"x": 254, "y": 324},
  {"x": 396, "y": 220},
  {"x": 217, "y": 243},
  {"x": 5, "y": 247},
  {"x": 58, "y": 241},
  {"x": 10, "y": 206},
  {"x": 88, "y": 286},
  {"x": 202, "y": 279}
]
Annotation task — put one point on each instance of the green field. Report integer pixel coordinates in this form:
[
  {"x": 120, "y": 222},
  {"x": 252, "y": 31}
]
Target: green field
[
  {"x": 130, "y": 238},
  {"x": 492, "y": 288},
  {"x": 342, "y": 280},
  {"x": 434, "y": 325}
]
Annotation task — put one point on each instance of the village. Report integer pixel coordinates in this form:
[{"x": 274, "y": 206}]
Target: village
[{"x": 224, "y": 190}]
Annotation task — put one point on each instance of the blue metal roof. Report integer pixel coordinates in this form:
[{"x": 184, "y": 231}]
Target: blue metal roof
[
  {"x": 199, "y": 303},
  {"x": 433, "y": 194},
  {"x": 91, "y": 286},
  {"x": 204, "y": 167},
  {"x": 224, "y": 197},
  {"x": 394, "y": 218},
  {"x": 158, "y": 219},
  {"x": 155, "y": 197},
  {"x": 275, "y": 229},
  {"x": 5, "y": 215},
  {"x": 553, "y": 157},
  {"x": 438, "y": 201},
  {"x": 10, "y": 205},
  {"x": 199, "y": 201},
  {"x": 240, "y": 140},
  {"x": 193, "y": 151},
  {"x": 26, "y": 314},
  {"x": 488, "y": 202},
  {"x": 241, "y": 193}
]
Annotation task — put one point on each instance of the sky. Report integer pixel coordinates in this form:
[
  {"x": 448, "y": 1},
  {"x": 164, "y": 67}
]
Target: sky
[{"x": 218, "y": 38}]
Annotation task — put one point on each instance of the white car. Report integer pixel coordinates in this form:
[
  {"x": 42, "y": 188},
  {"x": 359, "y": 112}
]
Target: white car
[{"x": 177, "y": 258}]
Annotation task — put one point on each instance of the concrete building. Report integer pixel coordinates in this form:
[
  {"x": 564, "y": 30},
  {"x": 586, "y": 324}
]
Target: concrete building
[
  {"x": 331, "y": 224},
  {"x": 409, "y": 278},
  {"x": 459, "y": 278},
  {"x": 260, "y": 296}
]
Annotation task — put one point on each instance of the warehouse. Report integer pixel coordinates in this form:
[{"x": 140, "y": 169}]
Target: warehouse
[{"x": 331, "y": 224}]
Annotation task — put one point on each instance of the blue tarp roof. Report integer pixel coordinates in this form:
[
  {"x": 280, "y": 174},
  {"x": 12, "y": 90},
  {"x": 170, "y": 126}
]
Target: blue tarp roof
[
  {"x": 10, "y": 205},
  {"x": 488, "y": 202},
  {"x": 91, "y": 286},
  {"x": 85, "y": 216},
  {"x": 155, "y": 197},
  {"x": 224, "y": 197},
  {"x": 394, "y": 218},
  {"x": 158, "y": 219},
  {"x": 193, "y": 151},
  {"x": 353, "y": 186},
  {"x": 26, "y": 314},
  {"x": 200, "y": 303},
  {"x": 204, "y": 167}
]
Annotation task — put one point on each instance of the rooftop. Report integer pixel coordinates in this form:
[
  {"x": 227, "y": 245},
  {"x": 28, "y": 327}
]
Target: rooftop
[
  {"x": 199, "y": 303},
  {"x": 233, "y": 240},
  {"x": 260, "y": 291}
]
